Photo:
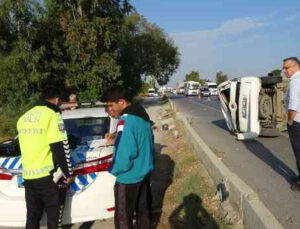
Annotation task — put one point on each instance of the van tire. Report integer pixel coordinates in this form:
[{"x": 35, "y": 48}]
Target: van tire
[
  {"x": 270, "y": 80},
  {"x": 270, "y": 132}
]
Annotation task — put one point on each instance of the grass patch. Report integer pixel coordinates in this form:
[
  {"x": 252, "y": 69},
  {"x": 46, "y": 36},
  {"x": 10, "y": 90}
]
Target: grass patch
[{"x": 189, "y": 199}]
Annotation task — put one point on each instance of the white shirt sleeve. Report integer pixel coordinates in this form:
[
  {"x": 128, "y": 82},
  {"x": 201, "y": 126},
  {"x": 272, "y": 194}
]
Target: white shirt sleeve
[{"x": 294, "y": 95}]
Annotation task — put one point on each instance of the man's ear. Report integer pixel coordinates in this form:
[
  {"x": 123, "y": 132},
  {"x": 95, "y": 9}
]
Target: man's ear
[{"x": 122, "y": 102}]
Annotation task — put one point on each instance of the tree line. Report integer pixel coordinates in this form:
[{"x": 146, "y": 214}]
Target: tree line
[
  {"x": 220, "y": 76},
  {"x": 84, "y": 47},
  {"x": 195, "y": 76}
]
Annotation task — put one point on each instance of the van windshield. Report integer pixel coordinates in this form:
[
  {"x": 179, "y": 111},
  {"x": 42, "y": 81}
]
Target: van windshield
[
  {"x": 212, "y": 86},
  {"x": 194, "y": 86}
]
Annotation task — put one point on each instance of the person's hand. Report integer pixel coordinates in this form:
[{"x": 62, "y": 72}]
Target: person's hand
[
  {"x": 110, "y": 141},
  {"x": 107, "y": 136},
  {"x": 110, "y": 138},
  {"x": 68, "y": 180}
]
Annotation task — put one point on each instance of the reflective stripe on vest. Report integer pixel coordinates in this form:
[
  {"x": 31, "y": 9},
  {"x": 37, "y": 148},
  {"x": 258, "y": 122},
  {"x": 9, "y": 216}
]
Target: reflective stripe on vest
[{"x": 37, "y": 172}]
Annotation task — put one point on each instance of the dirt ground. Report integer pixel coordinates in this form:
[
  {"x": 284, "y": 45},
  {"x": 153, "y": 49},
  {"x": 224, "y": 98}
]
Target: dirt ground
[{"x": 184, "y": 195}]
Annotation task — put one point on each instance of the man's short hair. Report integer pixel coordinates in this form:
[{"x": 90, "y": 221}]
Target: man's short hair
[
  {"x": 116, "y": 93},
  {"x": 295, "y": 59},
  {"x": 50, "y": 92}
]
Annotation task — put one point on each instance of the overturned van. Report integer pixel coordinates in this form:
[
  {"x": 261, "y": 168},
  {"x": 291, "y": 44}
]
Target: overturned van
[{"x": 254, "y": 106}]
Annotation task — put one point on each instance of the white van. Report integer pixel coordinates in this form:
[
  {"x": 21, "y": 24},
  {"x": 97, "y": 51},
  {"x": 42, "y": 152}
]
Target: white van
[
  {"x": 212, "y": 86},
  {"x": 254, "y": 106},
  {"x": 191, "y": 88},
  {"x": 152, "y": 92}
]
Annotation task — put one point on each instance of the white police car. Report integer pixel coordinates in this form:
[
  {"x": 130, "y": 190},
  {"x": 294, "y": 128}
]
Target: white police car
[{"x": 90, "y": 196}]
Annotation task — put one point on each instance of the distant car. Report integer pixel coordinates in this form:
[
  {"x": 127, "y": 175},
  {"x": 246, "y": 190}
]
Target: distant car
[
  {"x": 254, "y": 106},
  {"x": 90, "y": 196},
  {"x": 212, "y": 86},
  {"x": 180, "y": 90},
  {"x": 152, "y": 92},
  {"x": 204, "y": 91}
]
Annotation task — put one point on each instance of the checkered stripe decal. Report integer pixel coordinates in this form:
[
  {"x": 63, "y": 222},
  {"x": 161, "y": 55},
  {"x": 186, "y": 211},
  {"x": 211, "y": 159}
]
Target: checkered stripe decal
[
  {"x": 10, "y": 163},
  {"x": 80, "y": 183}
]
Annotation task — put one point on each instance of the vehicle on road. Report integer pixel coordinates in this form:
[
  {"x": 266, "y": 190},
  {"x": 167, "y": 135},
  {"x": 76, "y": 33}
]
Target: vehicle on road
[
  {"x": 180, "y": 88},
  {"x": 204, "y": 91},
  {"x": 212, "y": 86},
  {"x": 191, "y": 88},
  {"x": 90, "y": 196},
  {"x": 152, "y": 92},
  {"x": 254, "y": 106}
]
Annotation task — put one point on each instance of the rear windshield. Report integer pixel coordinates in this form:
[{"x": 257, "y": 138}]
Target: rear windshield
[
  {"x": 82, "y": 130},
  {"x": 10, "y": 148}
]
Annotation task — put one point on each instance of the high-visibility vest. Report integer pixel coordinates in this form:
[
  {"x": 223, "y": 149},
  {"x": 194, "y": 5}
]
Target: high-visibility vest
[{"x": 37, "y": 129}]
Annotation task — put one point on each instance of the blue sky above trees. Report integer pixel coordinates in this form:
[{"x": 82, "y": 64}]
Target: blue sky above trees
[{"x": 238, "y": 37}]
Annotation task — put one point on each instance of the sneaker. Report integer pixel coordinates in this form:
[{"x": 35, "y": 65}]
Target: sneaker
[{"x": 296, "y": 187}]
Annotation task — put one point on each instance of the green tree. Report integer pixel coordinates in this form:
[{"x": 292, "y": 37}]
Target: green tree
[
  {"x": 221, "y": 77},
  {"x": 192, "y": 76},
  {"x": 276, "y": 72},
  {"x": 203, "y": 81},
  {"x": 195, "y": 76},
  {"x": 145, "y": 87},
  {"x": 146, "y": 50},
  {"x": 83, "y": 46}
]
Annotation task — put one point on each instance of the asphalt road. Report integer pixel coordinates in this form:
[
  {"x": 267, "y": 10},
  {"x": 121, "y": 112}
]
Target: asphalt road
[{"x": 265, "y": 164}]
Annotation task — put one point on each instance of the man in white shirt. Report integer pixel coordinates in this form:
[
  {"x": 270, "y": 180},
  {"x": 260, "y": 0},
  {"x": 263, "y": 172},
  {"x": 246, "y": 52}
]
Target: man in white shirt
[{"x": 291, "y": 68}]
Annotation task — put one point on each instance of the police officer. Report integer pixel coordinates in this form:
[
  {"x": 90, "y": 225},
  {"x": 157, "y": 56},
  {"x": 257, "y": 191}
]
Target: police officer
[{"x": 44, "y": 153}]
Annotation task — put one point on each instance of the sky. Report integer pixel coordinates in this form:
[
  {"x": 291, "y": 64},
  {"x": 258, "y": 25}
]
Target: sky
[{"x": 237, "y": 37}]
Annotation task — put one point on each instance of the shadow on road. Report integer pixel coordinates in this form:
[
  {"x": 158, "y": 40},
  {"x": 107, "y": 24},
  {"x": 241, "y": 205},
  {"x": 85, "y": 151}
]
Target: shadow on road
[
  {"x": 161, "y": 179},
  {"x": 263, "y": 153},
  {"x": 221, "y": 123},
  {"x": 85, "y": 225},
  {"x": 190, "y": 214}
]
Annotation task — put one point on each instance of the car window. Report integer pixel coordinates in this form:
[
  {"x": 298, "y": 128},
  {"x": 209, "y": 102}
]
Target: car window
[
  {"x": 10, "y": 148},
  {"x": 81, "y": 130}
]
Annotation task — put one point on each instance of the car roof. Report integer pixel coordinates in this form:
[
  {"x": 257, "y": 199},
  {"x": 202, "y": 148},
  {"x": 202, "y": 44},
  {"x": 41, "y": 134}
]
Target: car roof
[{"x": 94, "y": 112}]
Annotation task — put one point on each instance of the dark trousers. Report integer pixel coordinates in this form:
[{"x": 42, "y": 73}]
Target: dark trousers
[
  {"x": 43, "y": 194},
  {"x": 130, "y": 199},
  {"x": 294, "y": 133}
]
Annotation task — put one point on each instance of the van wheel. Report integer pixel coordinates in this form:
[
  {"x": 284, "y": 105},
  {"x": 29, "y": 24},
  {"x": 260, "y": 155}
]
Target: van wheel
[
  {"x": 270, "y": 80},
  {"x": 270, "y": 132}
]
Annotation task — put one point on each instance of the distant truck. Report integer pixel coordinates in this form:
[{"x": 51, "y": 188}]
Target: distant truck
[
  {"x": 180, "y": 88},
  {"x": 212, "y": 86},
  {"x": 191, "y": 87}
]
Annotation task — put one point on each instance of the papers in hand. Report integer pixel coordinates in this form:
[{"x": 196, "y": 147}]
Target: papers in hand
[
  {"x": 57, "y": 175},
  {"x": 97, "y": 143}
]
